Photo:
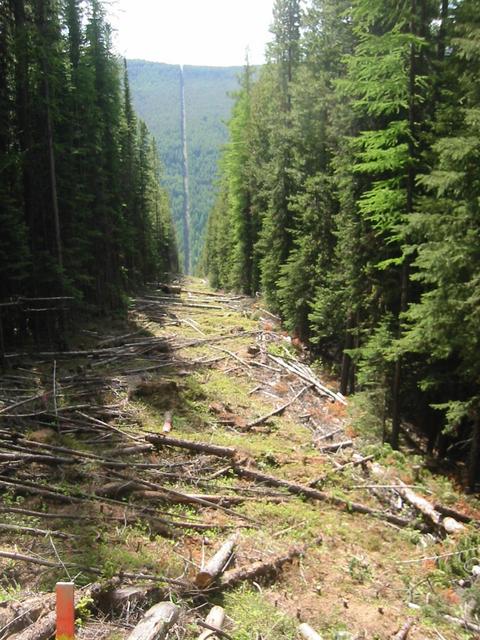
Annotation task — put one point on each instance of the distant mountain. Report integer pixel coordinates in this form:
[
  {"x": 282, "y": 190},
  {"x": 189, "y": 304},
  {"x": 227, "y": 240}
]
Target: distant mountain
[{"x": 157, "y": 93}]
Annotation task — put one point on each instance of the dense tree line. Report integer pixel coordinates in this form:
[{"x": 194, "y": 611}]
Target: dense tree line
[
  {"x": 82, "y": 212},
  {"x": 350, "y": 197}
]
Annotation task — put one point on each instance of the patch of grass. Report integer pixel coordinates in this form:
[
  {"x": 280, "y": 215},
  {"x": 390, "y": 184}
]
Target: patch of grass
[
  {"x": 255, "y": 616},
  {"x": 298, "y": 520},
  {"x": 359, "y": 569},
  {"x": 9, "y": 592}
]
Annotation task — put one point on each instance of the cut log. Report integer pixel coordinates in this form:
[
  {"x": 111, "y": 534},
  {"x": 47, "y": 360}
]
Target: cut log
[
  {"x": 42, "y": 629},
  {"x": 124, "y": 598},
  {"x": 167, "y": 424},
  {"x": 156, "y": 622},
  {"x": 213, "y": 623},
  {"x": 261, "y": 568},
  {"x": 308, "y": 633},
  {"x": 453, "y": 513},
  {"x": 203, "y": 447},
  {"x": 183, "y": 496},
  {"x": 190, "y": 498},
  {"x": 465, "y": 624},
  {"x": 216, "y": 565},
  {"x": 402, "y": 634},
  {"x": 315, "y": 494},
  {"x": 448, "y": 525},
  {"x": 18, "y": 615}
]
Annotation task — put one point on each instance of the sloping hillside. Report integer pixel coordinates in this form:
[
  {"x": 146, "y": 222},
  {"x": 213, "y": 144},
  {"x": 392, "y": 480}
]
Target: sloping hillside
[{"x": 156, "y": 94}]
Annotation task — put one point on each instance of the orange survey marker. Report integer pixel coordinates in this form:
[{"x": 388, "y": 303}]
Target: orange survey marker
[{"x": 65, "y": 611}]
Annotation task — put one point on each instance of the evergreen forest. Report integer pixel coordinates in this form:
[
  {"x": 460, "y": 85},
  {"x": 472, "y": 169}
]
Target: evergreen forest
[
  {"x": 350, "y": 198},
  {"x": 156, "y": 95},
  {"x": 83, "y": 214}
]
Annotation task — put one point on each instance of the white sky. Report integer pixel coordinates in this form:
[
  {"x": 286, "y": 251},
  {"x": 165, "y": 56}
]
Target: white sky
[{"x": 199, "y": 32}]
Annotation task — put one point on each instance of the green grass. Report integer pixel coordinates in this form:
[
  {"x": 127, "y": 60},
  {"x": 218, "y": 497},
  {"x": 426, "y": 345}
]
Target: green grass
[{"x": 254, "y": 616}]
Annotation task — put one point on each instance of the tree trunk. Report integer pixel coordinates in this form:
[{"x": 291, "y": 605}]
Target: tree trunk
[
  {"x": 474, "y": 458},
  {"x": 346, "y": 358}
]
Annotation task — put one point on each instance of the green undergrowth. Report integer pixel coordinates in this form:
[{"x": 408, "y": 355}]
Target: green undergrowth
[{"x": 255, "y": 616}]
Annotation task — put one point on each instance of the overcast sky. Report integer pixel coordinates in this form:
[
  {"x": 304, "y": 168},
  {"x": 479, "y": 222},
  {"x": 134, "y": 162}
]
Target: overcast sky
[{"x": 202, "y": 32}]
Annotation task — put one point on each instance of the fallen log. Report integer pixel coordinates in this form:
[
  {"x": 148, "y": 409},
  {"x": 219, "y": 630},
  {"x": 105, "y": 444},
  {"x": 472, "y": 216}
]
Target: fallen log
[
  {"x": 335, "y": 446},
  {"x": 125, "y": 598},
  {"x": 183, "y": 496},
  {"x": 448, "y": 525},
  {"x": 43, "y": 514},
  {"x": 37, "y": 458},
  {"x": 465, "y": 624},
  {"x": 20, "y": 557},
  {"x": 351, "y": 463},
  {"x": 190, "y": 498},
  {"x": 326, "y": 436},
  {"x": 141, "y": 448},
  {"x": 402, "y": 634},
  {"x": 203, "y": 447},
  {"x": 216, "y": 565},
  {"x": 213, "y": 624},
  {"x": 156, "y": 622},
  {"x": 18, "y": 615},
  {"x": 315, "y": 494},
  {"x": 253, "y": 423},
  {"x": 307, "y": 376},
  {"x": 453, "y": 513},
  {"x": 42, "y": 629},
  {"x": 45, "y": 493},
  {"x": 32, "y": 531},
  {"x": 262, "y": 568},
  {"x": 307, "y": 632}
]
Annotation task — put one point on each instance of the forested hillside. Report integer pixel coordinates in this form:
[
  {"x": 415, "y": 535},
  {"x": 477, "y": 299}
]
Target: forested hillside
[
  {"x": 350, "y": 197},
  {"x": 82, "y": 211},
  {"x": 156, "y": 93}
]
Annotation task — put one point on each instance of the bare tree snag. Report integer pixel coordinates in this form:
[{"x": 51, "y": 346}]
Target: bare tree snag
[
  {"x": 213, "y": 623},
  {"x": 156, "y": 622},
  {"x": 216, "y": 564},
  {"x": 308, "y": 633},
  {"x": 203, "y": 447}
]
